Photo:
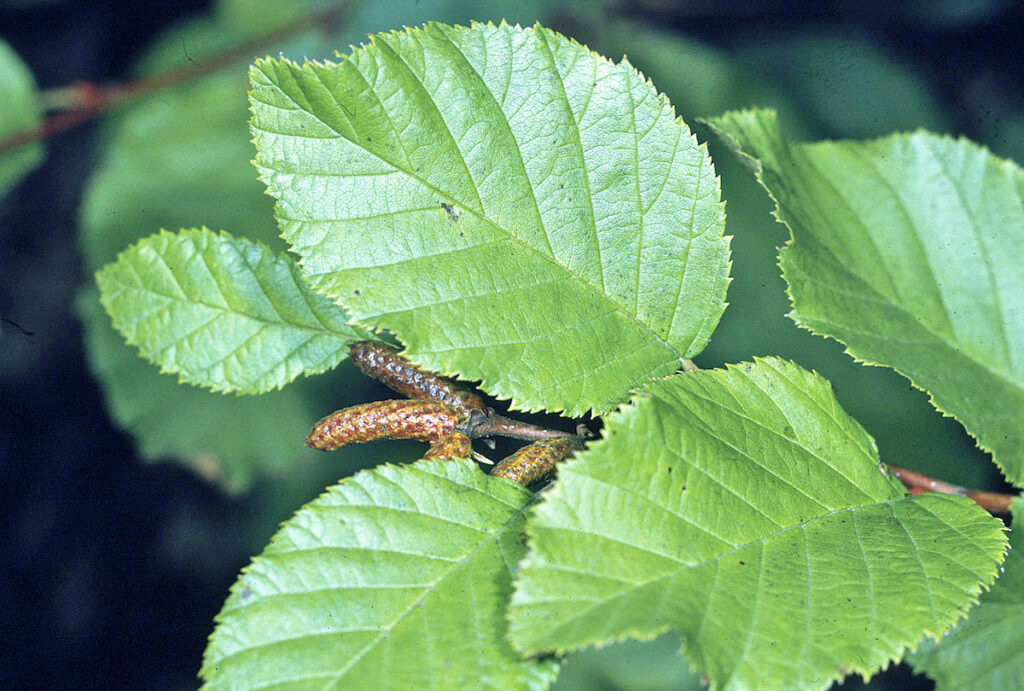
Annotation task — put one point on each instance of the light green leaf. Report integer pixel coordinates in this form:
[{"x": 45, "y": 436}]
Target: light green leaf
[
  {"x": 906, "y": 249},
  {"x": 746, "y": 510},
  {"x": 987, "y": 650},
  {"x": 515, "y": 208},
  {"x": 223, "y": 312},
  {"x": 396, "y": 578},
  {"x": 18, "y": 111}
]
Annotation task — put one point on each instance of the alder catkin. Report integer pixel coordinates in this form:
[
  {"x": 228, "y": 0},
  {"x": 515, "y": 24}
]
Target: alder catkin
[
  {"x": 455, "y": 445},
  {"x": 536, "y": 461},
  {"x": 383, "y": 363},
  {"x": 412, "y": 419}
]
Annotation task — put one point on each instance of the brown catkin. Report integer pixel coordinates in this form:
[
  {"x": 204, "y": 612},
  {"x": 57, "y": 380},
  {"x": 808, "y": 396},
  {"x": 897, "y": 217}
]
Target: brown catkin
[
  {"x": 382, "y": 362},
  {"x": 455, "y": 445},
  {"x": 536, "y": 461},
  {"x": 413, "y": 419}
]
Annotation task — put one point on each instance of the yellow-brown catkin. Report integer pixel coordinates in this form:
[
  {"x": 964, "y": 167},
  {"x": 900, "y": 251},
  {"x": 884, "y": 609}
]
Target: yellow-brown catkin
[
  {"x": 536, "y": 461},
  {"x": 455, "y": 445},
  {"x": 413, "y": 419},
  {"x": 383, "y": 363}
]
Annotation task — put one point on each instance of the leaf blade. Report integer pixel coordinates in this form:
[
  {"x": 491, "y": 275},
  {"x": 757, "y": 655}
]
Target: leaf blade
[
  {"x": 377, "y": 583},
  {"x": 500, "y": 195},
  {"x": 739, "y": 507},
  {"x": 904, "y": 250},
  {"x": 223, "y": 312},
  {"x": 19, "y": 111}
]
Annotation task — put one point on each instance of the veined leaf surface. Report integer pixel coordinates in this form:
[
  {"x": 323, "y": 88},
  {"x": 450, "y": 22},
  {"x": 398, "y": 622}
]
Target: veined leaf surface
[
  {"x": 987, "y": 650},
  {"x": 745, "y": 509},
  {"x": 223, "y": 312},
  {"x": 515, "y": 208},
  {"x": 907, "y": 249},
  {"x": 396, "y": 578}
]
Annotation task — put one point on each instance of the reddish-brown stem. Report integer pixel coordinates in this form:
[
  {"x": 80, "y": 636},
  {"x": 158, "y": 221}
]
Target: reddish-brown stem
[
  {"x": 94, "y": 100},
  {"x": 919, "y": 484},
  {"x": 498, "y": 425}
]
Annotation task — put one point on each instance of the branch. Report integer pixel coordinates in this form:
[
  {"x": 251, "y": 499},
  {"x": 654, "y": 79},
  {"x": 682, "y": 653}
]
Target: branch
[
  {"x": 919, "y": 484},
  {"x": 87, "y": 100},
  {"x": 498, "y": 425}
]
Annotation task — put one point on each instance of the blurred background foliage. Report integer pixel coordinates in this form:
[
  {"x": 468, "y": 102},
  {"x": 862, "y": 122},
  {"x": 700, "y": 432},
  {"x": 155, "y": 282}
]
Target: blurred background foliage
[{"x": 116, "y": 567}]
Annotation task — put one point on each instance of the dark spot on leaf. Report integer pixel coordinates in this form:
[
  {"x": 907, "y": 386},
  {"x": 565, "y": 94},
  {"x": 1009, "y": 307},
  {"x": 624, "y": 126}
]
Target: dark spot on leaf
[
  {"x": 357, "y": 292},
  {"x": 246, "y": 593},
  {"x": 453, "y": 212},
  {"x": 742, "y": 563}
]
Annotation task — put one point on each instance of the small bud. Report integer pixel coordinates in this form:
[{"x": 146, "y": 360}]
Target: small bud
[{"x": 536, "y": 461}]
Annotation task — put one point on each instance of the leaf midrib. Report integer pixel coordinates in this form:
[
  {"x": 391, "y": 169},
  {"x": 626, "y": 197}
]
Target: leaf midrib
[{"x": 282, "y": 324}]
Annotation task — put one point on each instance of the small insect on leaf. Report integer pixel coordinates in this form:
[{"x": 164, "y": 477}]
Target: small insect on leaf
[
  {"x": 455, "y": 445},
  {"x": 536, "y": 461},
  {"x": 383, "y": 363},
  {"x": 413, "y": 419}
]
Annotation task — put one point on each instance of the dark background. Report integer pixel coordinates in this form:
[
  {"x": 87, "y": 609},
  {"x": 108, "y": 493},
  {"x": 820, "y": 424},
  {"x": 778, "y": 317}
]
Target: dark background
[{"x": 112, "y": 568}]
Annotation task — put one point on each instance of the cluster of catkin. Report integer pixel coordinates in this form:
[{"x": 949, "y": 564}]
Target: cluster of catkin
[{"x": 437, "y": 411}]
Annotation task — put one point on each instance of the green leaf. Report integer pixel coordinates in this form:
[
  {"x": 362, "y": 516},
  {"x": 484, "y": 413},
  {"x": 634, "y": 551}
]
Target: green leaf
[
  {"x": 18, "y": 111},
  {"x": 848, "y": 85},
  {"x": 223, "y": 312},
  {"x": 515, "y": 208},
  {"x": 987, "y": 650},
  {"x": 906, "y": 249},
  {"x": 629, "y": 666},
  {"x": 395, "y": 578},
  {"x": 746, "y": 510}
]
